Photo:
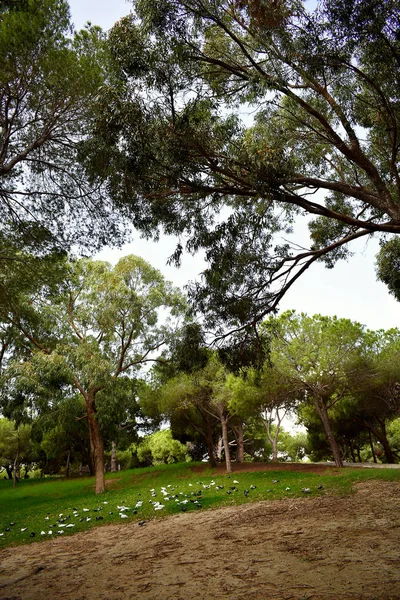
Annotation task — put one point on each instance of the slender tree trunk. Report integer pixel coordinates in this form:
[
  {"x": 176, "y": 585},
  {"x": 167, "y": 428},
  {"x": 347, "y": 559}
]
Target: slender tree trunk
[
  {"x": 96, "y": 443},
  {"x": 68, "y": 463},
  {"x": 353, "y": 456},
  {"x": 372, "y": 446},
  {"x": 224, "y": 425},
  {"x": 15, "y": 476},
  {"x": 323, "y": 415},
  {"x": 113, "y": 457}
]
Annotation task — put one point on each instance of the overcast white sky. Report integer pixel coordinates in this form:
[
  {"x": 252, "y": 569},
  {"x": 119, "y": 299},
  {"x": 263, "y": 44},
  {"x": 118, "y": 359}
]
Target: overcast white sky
[{"x": 350, "y": 290}]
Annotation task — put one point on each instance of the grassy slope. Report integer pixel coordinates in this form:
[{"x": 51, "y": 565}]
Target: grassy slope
[{"x": 43, "y": 505}]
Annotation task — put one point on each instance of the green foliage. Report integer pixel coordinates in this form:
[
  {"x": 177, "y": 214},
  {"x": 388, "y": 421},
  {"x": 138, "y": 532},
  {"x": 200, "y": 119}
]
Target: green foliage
[
  {"x": 173, "y": 147},
  {"x": 160, "y": 447},
  {"x": 388, "y": 266},
  {"x": 49, "y": 78}
]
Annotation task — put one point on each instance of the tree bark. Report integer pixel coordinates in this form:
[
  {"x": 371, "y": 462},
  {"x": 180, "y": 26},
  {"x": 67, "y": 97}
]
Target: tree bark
[
  {"x": 322, "y": 411},
  {"x": 68, "y": 463},
  {"x": 113, "y": 457},
  {"x": 372, "y": 446},
  {"x": 224, "y": 425},
  {"x": 96, "y": 442}
]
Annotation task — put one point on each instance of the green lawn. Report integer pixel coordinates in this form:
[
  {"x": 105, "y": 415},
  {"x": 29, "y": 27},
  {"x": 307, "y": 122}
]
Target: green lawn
[{"x": 59, "y": 505}]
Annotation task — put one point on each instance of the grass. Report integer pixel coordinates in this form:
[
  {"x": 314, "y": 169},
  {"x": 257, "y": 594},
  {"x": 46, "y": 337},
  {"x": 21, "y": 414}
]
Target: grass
[{"x": 51, "y": 505}]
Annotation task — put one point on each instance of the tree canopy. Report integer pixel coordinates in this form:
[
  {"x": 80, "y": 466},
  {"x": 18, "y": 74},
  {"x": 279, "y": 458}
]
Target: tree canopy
[
  {"x": 321, "y": 136},
  {"x": 49, "y": 79}
]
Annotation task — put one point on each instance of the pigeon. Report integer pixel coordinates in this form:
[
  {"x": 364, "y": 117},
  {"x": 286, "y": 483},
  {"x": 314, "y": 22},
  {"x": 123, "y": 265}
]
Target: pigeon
[
  {"x": 306, "y": 490},
  {"x": 99, "y": 518},
  {"x": 275, "y": 481},
  {"x": 140, "y": 523},
  {"x": 252, "y": 487},
  {"x": 320, "y": 487},
  {"x": 246, "y": 493},
  {"x": 32, "y": 534}
]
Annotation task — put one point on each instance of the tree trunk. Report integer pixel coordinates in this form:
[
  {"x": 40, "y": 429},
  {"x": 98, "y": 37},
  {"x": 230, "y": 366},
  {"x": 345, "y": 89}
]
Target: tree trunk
[
  {"x": 15, "y": 476},
  {"x": 381, "y": 436},
  {"x": 372, "y": 446},
  {"x": 68, "y": 463},
  {"x": 113, "y": 457},
  {"x": 96, "y": 443},
  {"x": 323, "y": 415},
  {"x": 224, "y": 425}
]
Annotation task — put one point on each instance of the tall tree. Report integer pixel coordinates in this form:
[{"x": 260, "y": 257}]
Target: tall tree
[
  {"x": 99, "y": 325},
  {"x": 49, "y": 79},
  {"x": 322, "y": 88},
  {"x": 316, "y": 354}
]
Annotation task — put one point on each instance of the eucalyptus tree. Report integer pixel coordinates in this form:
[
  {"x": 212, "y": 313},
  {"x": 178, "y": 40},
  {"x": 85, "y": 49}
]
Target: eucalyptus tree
[
  {"x": 99, "y": 325},
  {"x": 321, "y": 85},
  {"x": 317, "y": 355},
  {"x": 50, "y": 77}
]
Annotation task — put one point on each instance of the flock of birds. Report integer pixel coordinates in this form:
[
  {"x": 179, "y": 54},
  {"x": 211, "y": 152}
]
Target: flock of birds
[{"x": 64, "y": 522}]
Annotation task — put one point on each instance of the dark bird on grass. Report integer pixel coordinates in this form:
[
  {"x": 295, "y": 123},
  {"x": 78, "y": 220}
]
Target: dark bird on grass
[
  {"x": 246, "y": 492},
  {"x": 32, "y": 534},
  {"x": 140, "y": 523}
]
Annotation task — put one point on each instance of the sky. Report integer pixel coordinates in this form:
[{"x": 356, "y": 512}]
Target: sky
[{"x": 350, "y": 290}]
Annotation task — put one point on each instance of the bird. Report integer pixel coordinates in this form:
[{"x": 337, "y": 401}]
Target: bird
[
  {"x": 141, "y": 523},
  {"x": 306, "y": 490},
  {"x": 32, "y": 534},
  {"x": 24, "y": 528}
]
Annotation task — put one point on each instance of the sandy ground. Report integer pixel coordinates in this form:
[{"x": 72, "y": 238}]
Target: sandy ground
[{"x": 308, "y": 548}]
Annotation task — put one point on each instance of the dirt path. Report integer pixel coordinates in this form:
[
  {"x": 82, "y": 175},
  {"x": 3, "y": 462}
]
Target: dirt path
[{"x": 310, "y": 548}]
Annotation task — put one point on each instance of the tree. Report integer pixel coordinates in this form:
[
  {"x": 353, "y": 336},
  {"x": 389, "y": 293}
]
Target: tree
[
  {"x": 321, "y": 86},
  {"x": 316, "y": 355},
  {"x": 269, "y": 395},
  {"x": 49, "y": 79},
  {"x": 388, "y": 266},
  {"x": 16, "y": 447},
  {"x": 162, "y": 448},
  {"x": 101, "y": 324}
]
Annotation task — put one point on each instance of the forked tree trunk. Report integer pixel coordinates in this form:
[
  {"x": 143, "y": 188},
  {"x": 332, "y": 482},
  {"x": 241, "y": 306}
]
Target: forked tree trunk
[
  {"x": 323, "y": 415},
  {"x": 96, "y": 443}
]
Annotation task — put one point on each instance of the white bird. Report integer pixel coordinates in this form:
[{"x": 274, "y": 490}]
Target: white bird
[
  {"x": 24, "y": 529},
  {"x": 85, "y": 509},
  {"x": 42, "y": 533},
  {"x": 71, "y": 525},
  {"x": 235, "y": 481},
  {"x": 123, "y": 515},
  {"x": 60, "y": 531},
  {"x": 50, "y": 532}
]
